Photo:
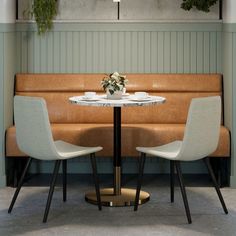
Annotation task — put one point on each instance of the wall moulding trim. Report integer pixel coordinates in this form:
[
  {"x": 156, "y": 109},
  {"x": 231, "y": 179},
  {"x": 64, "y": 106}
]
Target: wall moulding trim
[
  {"x": 229, "y": 27},
  {"x": 126, "y": 26},
  {"x": 7, "y": 27}
]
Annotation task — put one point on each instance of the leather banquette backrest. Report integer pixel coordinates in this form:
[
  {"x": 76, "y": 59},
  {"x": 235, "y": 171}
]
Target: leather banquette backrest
[{"x": 178, "y": 89}]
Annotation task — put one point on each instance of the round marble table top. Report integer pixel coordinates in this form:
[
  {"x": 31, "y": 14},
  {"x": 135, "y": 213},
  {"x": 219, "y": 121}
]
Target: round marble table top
[{"x": 128, "y": 100}]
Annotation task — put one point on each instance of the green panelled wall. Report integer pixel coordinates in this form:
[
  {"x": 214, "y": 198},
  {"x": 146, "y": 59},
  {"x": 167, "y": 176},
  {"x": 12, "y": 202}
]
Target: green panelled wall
[
  {"x": 136, "y": 47},
  {"x": 7, "y": 71},
  {"x": 229, "y": 70},
  {"x": 2, "y": 159},
  {"x": 125, "y": 47},
  {"x": 233, "y": 163}
]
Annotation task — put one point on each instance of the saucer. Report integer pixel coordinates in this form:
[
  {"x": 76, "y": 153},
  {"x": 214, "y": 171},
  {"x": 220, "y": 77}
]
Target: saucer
[
  {"x": 137, "y": 99},
  {"x": 125, "y": 94},
  {"x": 92, "y": 99}
]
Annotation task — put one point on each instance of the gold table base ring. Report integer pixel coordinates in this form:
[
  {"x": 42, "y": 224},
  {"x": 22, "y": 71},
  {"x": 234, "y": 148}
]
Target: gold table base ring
[{"x": 126, "y": 198}]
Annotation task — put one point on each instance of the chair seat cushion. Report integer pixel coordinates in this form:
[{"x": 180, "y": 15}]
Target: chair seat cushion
[{"x": 133, "y": 135}]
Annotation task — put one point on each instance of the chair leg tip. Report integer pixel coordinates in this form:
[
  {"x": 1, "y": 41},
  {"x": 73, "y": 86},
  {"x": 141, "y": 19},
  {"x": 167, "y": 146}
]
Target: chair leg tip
[{"x": 10, "y": 209}]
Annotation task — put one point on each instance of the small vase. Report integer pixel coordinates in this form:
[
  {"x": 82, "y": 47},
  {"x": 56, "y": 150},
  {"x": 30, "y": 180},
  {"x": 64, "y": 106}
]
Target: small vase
[{"x": 115, "y": 96}]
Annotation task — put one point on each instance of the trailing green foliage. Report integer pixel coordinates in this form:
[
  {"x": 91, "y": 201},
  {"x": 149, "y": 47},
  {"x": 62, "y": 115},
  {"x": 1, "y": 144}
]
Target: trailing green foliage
[
  {"x": 43, "y": 11},
  {"x": 201, "y": 5}
]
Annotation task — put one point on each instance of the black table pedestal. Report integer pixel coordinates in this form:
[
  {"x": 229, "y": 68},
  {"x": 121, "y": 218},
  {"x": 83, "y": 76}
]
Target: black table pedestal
[{"x": 117, "y": 196}]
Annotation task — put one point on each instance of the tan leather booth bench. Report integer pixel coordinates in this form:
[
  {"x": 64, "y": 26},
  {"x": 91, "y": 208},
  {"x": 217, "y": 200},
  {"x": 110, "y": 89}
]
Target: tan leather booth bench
[{"x": 92, "y": 126}]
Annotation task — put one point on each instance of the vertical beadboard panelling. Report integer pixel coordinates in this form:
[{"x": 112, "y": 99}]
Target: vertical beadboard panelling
[
  {"x": 213, "y": 52},
  {"x": 49, "y": 51},
  {"x": 108, "y": 49},
  {"x": 160, "y": 52},
  {"x": 127, "y": 51},
  {"x": 63, "y": 52},
  {"x": 219, "y": 52},
  {"x": 114, "y": 52},
  {"x": 24, "y": 51},
  {"x": 30, "y": 52},
  {"x": 200, "y": 48},
  {"x": 193, "y": 52},
  {"x": 134, "y": 51},
  {"x": 76, "y": 52},
  {"x": 82, "y": 51},
  {"x": 102, "y": 49},
  {"x": 37, "y": 54},
  {"x": 56, "y": 52},
  {"x": 90, "y": 52},
  {"x": 147, "y": 51},
  {"x": 44, "y": 49},
  {"x": 69, "y": 52},
  {"x": 153, "y": 52},
  {"x": 187, "y": 52},
  {"x": 141, "y": 52},
  {"x": 206, "y": 52},
  {"x": 92, "y": 49},
  {"x": 180, "y": 52},
  {"x": 167, "y": 52},
  {"x": 18, "y": 52},
  {"x": 173, "y": 50}
]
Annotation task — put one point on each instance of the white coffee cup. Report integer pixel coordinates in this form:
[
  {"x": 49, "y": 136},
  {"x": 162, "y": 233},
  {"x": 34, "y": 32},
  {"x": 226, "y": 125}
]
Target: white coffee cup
[
  {"x": 89, "y": 94},
  {"x": 141, "y": 95}
]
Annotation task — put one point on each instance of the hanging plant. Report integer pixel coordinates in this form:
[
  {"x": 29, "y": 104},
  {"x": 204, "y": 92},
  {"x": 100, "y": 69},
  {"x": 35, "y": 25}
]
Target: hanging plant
[
  {"x": 201, "y": 5},
  {"x": 43, "y": 12}
]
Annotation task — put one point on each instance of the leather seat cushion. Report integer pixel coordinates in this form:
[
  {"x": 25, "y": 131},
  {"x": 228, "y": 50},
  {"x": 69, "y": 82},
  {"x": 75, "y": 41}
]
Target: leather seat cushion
[{"x": 133, "y": 135}]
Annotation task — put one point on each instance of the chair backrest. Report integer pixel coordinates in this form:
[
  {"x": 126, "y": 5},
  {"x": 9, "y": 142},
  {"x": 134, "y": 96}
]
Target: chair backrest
[
  {"x": 33, "y": 131},
  {"x": 202, "y": 128}
]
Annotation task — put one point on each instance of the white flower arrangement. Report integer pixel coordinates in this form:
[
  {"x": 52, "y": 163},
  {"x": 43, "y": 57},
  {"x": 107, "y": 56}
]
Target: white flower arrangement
[{"x": 114, "y": 82}]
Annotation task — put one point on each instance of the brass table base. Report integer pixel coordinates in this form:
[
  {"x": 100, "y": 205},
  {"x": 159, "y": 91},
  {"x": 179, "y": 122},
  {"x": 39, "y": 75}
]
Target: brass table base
[{"x": 126, "y": 198}]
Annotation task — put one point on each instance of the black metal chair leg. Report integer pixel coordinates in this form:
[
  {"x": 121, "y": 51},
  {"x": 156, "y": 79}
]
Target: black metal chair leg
[
  {"x": 51, "y": 190},
  {"x": 208, "y": 165},
  {"x": 19, "y": 184},
  {"x": 140, "y": 178},
  {"x": 96, "y": 180},
  {"x": 172, "y": 181},
  {"x": 64, "y": 173},
  {"x": 182, "y": 187}
]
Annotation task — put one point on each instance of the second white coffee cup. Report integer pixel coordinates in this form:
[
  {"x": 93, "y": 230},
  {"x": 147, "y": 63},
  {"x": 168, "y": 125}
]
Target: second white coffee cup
[
  {"x": 141, "y": 94},
  {"x": 90, "y": 94}
]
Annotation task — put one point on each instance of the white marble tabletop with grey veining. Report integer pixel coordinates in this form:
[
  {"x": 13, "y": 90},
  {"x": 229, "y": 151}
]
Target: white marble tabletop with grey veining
[{"x": 125, "y": 101}]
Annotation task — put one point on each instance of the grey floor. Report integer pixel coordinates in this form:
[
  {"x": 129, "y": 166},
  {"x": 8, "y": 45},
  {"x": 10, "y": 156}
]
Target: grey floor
[{"x": 157, "y": 217}]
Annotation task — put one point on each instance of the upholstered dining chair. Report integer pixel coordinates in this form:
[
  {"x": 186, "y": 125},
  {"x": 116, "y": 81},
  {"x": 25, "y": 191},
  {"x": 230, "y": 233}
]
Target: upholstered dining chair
[
  {"x": 34, "y": 138},
  {"x": 200, "y": 140}
]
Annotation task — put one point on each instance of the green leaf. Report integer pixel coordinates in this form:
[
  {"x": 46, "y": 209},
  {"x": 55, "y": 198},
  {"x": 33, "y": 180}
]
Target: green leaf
[{"x": 201, "y": 5}]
